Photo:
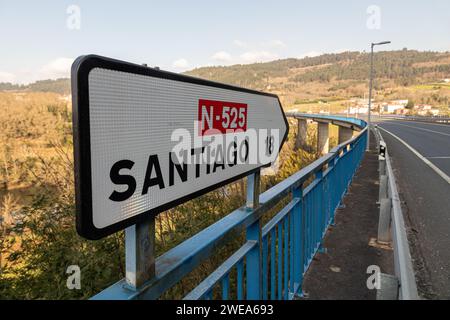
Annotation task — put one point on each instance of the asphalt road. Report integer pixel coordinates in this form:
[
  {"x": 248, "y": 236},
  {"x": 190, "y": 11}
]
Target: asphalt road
[{"x": 426, "y": 197}]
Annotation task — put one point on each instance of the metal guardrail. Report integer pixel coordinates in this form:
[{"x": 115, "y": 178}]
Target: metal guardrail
[
  {"x": 391, "y": 227},
  {"x": 272, "y": 261},
  {"x": 435, "y": 119}
]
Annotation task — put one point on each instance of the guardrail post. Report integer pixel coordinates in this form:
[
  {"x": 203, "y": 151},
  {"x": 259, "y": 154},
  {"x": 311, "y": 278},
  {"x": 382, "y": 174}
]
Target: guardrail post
[
  {"x": 253, "y": 232},
  {"x": 384, "y": 224},
  {"x": 383, "y": 190},
  {"x": 382, "y": 167},
  {"x": 140, "y": 253}
]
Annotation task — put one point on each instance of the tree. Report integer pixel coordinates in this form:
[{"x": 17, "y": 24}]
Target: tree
[{"x": 410, "y": 104}]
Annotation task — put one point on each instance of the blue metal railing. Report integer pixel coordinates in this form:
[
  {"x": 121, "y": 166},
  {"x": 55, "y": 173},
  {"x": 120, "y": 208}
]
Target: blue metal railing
[
  {"x": 291, "y": 239},
  {"x": 274, "y": 258}
]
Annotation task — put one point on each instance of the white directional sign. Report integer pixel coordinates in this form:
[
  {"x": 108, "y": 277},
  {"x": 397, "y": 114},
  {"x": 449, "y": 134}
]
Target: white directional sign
[{"x": 147, "y": 140}]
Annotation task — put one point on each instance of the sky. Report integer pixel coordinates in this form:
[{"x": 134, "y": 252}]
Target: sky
[{"x": 40, "y": 39}]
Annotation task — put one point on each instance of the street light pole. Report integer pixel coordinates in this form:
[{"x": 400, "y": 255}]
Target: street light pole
[
  {"x": 370, "y": 89},
  {"x": 370, "y": 97}
]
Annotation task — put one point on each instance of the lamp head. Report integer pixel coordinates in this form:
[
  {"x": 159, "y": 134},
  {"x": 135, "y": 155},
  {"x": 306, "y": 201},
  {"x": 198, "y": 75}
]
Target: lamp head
[{"x": 381, "y": 43}]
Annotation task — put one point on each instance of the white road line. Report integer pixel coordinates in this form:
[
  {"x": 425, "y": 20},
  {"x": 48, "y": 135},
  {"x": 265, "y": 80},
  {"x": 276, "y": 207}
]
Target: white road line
[
  {"x": 438, "y": 132},
  {"x": 430, "y": 123},
  {"x": 427, "y": 162},
  {"x": 437, "y": 157}
]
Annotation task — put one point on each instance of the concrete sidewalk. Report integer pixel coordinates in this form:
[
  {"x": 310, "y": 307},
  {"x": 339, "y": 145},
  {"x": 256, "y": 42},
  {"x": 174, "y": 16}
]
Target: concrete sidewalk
[{"x": 341, "y": 271}]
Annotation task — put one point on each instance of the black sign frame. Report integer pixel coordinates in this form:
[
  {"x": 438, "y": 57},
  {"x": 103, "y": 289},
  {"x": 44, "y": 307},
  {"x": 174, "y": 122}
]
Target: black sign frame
[{"x": 82, "y": 146}]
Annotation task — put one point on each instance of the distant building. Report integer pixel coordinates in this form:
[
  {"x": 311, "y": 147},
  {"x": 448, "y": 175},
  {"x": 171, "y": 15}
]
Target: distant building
[
  {"x": 362, "y": 110},
  {"x": 435, "y": 112},
  {"x": 395, "y": 107},
  {"x": 403, "y": 102},
  {"x": 392, "y": 108},
  {"x": 423, "y": 107},
  {"x": 402, "y": 111},
  {"x": 428, "y": 112}
]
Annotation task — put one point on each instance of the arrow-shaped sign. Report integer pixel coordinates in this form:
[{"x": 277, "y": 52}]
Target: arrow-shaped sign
[{"x": 147, "y": 140}]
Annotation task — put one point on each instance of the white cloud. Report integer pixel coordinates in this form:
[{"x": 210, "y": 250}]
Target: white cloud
[
  {"x": 258, "y": 56},
  {"x": 7, "y": 77},
  {"x": 276, "y": 44},
  {"x": 58, "y": 68},
  {"x": 262, "y": 51},
  {"x": 180, "y": 64},
  {"x": 221, "y": 56}
]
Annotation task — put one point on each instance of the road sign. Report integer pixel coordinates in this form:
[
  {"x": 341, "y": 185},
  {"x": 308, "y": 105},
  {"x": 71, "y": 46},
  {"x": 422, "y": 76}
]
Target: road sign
[{"x": 146, "y": 140}]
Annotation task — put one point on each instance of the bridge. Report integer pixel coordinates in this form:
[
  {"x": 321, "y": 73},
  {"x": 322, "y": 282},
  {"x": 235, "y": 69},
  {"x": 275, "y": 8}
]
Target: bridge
[{"x": 278, "y": 258}]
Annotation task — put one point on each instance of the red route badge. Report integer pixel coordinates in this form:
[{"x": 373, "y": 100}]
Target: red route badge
[{"x": 222, "y": 116}]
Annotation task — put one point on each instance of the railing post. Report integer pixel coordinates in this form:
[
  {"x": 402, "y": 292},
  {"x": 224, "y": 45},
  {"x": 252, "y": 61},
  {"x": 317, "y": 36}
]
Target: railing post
[
  {"x": 298, "y": 241},
  {"x": 320, "y": 205},
  {"x": 140, "y": 253},
  {"x": 253, "y": 233}
]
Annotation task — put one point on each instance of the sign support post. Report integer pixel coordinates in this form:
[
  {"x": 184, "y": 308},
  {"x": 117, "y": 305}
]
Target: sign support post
[
  {"x": 140, "y": 253},
  {"x": 253, "y": 190}
]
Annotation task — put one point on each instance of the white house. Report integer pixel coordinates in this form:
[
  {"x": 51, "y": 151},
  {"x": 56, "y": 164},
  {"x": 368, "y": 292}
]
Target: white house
[{"x": 392, "y": 108}]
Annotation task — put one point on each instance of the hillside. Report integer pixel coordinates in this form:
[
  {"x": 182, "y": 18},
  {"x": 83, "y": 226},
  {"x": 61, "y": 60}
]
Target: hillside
[
  {"x": 334, "y": 78},
  {"x": 61, "y": 86},
  {"x": 405, "y": 67},
  {"x": 326, "y": 78}
]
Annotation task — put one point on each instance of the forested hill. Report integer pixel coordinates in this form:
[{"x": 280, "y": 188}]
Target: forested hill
[
  {"x": 404, "y": 67},
  {"x": 61, "y": 86}
]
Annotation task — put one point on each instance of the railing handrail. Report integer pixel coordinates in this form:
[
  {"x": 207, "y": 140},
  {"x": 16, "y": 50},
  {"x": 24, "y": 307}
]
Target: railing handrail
[
  {"x": 173, "y": 265},
  {"x": 361, "y": 124}
]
